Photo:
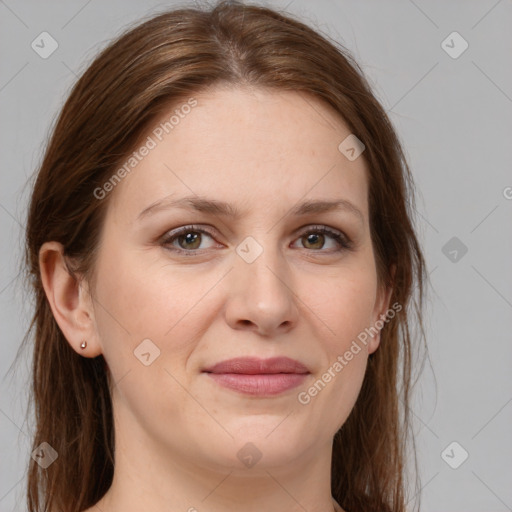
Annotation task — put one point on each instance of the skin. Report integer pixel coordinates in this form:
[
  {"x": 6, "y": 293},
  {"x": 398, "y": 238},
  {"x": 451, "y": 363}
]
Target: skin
[{"x": 177, "y": 431}]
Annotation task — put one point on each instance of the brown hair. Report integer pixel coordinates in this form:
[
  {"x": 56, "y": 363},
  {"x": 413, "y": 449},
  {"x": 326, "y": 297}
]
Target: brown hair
[{"x": 159, "y": 62}]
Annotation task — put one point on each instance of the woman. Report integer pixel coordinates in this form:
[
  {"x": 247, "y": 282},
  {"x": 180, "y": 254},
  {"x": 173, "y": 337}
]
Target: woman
[{"x": 221, "y": 247}]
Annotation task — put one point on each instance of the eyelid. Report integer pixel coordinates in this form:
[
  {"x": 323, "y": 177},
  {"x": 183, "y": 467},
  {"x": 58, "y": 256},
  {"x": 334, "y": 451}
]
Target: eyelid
[
  {"x": 172, "y": 235},
  {"x": 341, "y": 238}
]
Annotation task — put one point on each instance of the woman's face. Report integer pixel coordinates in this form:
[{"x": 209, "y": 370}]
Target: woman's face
[{"x": 249, "y": 276}]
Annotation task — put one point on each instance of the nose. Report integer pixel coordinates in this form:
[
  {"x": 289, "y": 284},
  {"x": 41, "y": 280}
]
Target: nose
[{"x": 261, "y": 295}]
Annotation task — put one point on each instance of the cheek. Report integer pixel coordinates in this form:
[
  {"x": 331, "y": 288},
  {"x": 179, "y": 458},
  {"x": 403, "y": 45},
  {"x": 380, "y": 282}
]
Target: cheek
[
  {"x": 142, "y": 309},
  {"x": 343, "y": 304},
  {"x": 140, "y": 299},
  {"x": 342, "y": 318}
]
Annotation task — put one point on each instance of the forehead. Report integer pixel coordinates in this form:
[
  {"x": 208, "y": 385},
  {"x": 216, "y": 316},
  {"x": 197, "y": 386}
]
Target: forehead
[{"x": 247, "y": 146}]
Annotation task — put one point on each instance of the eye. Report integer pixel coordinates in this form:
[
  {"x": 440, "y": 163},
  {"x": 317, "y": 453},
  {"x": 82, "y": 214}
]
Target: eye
[
  {"x": 188, "y": 240},
  {"x": 315, "y": 238}
]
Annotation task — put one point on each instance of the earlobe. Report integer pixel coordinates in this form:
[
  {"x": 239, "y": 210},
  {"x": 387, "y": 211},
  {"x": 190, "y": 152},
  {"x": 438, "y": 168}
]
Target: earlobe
[{"x": 69, "y": 304}]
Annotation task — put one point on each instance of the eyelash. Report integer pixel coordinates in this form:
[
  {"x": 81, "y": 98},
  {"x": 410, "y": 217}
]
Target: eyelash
[{"x": 344, "y": 242}]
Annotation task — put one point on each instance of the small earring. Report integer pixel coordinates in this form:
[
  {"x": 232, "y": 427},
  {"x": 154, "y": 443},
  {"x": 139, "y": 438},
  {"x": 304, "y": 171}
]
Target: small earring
[{"x": 84, "y": 344}]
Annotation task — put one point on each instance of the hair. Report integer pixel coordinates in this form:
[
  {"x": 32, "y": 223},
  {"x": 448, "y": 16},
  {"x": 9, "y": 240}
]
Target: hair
[{"x": 160, "y": 62}]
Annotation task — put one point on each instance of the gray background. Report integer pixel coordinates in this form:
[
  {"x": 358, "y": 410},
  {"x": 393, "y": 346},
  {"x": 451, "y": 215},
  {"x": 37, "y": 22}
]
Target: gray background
[{"x": 454, "y": 116}]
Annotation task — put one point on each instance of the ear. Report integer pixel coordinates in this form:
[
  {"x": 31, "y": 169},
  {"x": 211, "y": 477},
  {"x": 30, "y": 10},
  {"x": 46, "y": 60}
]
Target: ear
[
  {"x": 69, "y": 300},
  {"x": 379, "y": 312}
]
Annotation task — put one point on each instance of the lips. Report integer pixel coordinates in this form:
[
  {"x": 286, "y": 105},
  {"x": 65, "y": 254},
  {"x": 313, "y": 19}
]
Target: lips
[
  {"x": 258, "y": 377},
  {"x": 255, "y": 366}
]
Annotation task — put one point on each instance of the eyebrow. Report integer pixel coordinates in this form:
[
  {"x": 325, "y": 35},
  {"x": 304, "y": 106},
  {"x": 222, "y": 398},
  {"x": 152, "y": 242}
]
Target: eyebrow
[{"x": 215, "y": 207}]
